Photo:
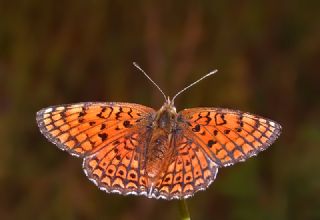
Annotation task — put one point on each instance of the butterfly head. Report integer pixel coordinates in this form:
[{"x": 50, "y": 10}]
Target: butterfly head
[
  {"x": 166, "y": 115},
  {"x": 169, "y": 106}
]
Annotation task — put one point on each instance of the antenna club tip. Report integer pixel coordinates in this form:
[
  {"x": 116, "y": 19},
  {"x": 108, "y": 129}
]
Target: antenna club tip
[
  {"x": 137, "y": 66},
  {"x": 214, "y": 71}
]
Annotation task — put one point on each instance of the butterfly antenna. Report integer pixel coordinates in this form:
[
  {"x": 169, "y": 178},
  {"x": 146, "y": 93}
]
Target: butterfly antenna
[
  {"x": 139, "y": 68},
  {"x": 192, "y": 84}
]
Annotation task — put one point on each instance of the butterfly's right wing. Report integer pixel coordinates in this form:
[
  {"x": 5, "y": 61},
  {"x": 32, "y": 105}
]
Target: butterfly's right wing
[
  {"x": 189, "y": 170},
  {"x": 228, "y": 136},
  {"x": 209, "y": 138}
]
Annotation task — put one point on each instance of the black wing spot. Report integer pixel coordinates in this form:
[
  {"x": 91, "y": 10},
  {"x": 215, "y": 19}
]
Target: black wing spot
[
  {"x": 103, "y": 126},
  {"x": 208, "y": 118},
  {"x": 218, "y": 150},
  {"x": 211, "y": 142},
  {"x": 91, "y": 123},
  {"x": 221, "y": 120},
  {"x": 103, "y": 136},
  {"x": 127, "y": 124},
  {"x": 215, "y": 132},
  {"x": 83, "y": 113},
  {"x": 129, "y": 113},
  {"x": 256, "y": 124},
  {"x": 196, "y": 128},
  {"x": 118, "y": 114},
  {"x": 102, "y": 111},
  {"x": 227, "y": 131}
]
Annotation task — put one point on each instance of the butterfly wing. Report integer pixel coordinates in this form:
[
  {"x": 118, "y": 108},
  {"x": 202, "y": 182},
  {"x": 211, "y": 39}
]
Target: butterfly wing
[
  {"x": 110, "y": 136},
  {"x": 228, "y": 136},
  {"x": 118, "y": 167},
  {"x": 84, "y": 128},
  {"x": 189, "y": 170}
]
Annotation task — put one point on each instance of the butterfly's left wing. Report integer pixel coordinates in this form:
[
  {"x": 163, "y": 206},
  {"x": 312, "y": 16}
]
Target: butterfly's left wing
[
  {"x": 84, "y": 128},
  {"x": 228, "y": 136},
  {"x": 110, "y": 136},
  {"x": 119, "y": 166}
]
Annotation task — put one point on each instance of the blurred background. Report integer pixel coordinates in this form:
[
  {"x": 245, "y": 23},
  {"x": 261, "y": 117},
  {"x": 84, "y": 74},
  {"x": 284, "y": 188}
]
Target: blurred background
[{"x": 56, "y": 52}]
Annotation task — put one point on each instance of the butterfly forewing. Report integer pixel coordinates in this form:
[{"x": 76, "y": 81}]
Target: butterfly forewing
[
  {"x": 84, "y": 128},
  {"x": 228, "y": 136}
]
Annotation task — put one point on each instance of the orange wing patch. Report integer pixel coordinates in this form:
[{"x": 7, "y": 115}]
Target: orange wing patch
[
  {"x": 118, "y": 166},
  {"x": 229, "y": 136},
  {"x": 189, "y": 171},
  {"x": 83, "y": 128}
]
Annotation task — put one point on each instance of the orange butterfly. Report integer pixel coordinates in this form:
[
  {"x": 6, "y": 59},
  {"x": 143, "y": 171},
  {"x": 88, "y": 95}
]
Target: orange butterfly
[{"x": 133, "y": 149}]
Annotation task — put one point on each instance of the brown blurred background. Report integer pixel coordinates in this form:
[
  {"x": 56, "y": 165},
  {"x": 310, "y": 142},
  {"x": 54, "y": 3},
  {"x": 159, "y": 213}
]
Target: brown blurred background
[{"x": 56, "y": 52}]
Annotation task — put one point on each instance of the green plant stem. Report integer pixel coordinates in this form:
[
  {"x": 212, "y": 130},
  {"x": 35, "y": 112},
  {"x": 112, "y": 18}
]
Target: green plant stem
[{"x": 184, "y": 211}]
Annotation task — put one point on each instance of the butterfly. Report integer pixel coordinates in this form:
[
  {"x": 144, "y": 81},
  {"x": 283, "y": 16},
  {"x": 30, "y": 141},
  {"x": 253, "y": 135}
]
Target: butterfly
[{"x": 133, "y": 149}]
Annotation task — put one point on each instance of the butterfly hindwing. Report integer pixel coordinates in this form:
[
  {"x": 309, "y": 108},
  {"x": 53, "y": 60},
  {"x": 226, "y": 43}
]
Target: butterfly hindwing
[
  {"x": 229, "y": 136},
  {"x": 118, "y": 166},
  {"x": 189, "y": 171}
]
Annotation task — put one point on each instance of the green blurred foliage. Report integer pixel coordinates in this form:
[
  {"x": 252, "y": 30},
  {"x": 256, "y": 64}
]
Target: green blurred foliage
[{"x": 55, "y": 52}]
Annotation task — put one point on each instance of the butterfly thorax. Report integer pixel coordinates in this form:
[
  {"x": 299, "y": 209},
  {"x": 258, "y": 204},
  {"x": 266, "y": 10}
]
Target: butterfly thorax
[{"x": 159, "y": 150}]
